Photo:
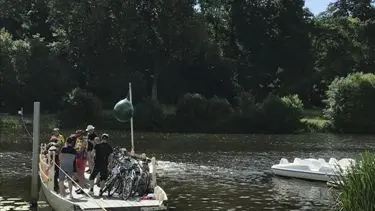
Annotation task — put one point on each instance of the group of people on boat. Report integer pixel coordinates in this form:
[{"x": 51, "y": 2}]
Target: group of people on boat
[{"x": 75, "y": 154}]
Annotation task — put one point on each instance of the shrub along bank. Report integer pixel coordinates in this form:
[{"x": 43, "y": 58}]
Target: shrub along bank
[
  {"x": 349, "y": 109},
  {"x": 350, "y": 103},
  {"x": 193, "y": 113}
]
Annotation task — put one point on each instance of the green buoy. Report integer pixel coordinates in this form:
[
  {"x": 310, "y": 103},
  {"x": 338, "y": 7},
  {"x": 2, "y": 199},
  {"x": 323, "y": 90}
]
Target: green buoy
[{"x": 123, "y": 110}]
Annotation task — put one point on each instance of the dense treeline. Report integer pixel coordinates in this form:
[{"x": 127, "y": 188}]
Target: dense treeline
[{"x": 63, "y": 52}]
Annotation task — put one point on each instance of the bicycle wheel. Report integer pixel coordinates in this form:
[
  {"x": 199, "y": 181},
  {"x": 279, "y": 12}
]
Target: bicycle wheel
[
  {"x": 108, "y": 184},
  {"x": 127, "y": 186},
  {"x": 114, "y": 187},
  {"x": 142, "y": 187},
  {"x": 135, "y": 186}
]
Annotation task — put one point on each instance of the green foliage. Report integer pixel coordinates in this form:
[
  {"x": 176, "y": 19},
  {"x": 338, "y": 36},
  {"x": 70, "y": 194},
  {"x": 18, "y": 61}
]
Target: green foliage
[
  {"x": 81, "y": 107},
  {"x": 14, "y": 56},
  {"x": 282, "y": 115},
  {"x": 9, "y": 122},
  {"x": 247, "y": 114},
  {"x": 316, "y": 124},
  {"x": 356, "y": 187},
  {"x": 218, "y": 108},
  {"x": 169, "y": 48},
  {"x": 149, "y": 115},
  {"x": 192, "y": 106},
  {"x": 349, "y": 103}
]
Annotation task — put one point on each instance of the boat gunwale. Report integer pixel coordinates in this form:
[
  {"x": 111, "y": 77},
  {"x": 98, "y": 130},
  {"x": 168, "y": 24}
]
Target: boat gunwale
[
  {"x": 303, "y": 171},
  {"x": 162, "y": 204}
]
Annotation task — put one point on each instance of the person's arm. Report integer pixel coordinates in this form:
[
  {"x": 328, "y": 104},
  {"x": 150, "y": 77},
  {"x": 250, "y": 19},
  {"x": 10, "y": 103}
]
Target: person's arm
[
  {"x": 110, "y": 156},
  {"x": 93, "y": 152},
  {"x": 60, "y": 156}
]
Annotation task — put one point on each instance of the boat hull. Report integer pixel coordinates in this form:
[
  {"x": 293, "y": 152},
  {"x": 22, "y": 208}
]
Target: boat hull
[
  {"x": 55, "y": 201},
  {"x": 302, "y": 174}
]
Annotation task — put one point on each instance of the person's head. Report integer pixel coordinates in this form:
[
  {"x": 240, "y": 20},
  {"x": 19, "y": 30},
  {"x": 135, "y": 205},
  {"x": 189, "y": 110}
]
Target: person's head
[
  {"x": 90, "y": 129},
  {"x": 96, "y": 140},
  {"x": 105, "y": 137},
  {"x": 56, "y": 131},
  {"x": 79, "y": 133},
  {"x": 79, "y": 147},
  {"x": 70, "y": 140},
  {"x": 53, "y": 139}
]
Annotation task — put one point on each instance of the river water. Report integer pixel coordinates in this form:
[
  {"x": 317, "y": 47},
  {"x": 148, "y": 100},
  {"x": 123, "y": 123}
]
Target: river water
[{"x": 209, "y": 172}]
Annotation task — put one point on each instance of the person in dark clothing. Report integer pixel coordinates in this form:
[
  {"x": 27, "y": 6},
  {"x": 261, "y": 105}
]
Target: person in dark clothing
[
  {"x": 102, "y": 152},
  {"x": 67, "y": 158}
]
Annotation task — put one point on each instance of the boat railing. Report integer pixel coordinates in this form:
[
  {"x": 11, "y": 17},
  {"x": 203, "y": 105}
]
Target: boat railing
[
  {"x": 47, "y": 169},
  {"x": 48, "y": 165}
]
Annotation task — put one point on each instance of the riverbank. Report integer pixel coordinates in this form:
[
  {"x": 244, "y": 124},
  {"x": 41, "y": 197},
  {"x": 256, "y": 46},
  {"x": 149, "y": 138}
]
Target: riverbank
[{"x": 312, "y": 122}]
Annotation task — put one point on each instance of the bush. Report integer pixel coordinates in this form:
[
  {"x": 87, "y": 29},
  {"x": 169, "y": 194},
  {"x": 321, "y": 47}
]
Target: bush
[
  {"x": 245, "y": 102},
  {"x": 191, "y": 112},
  {"x": 192, "y": 105},
  {"x": 246, "y": 115},
  {"x": 281, "y": 115},
  {"x": 357, "y": 187},
  {"x": 218, "y": 108},
  {"x": 350, "y": 103},
  {"x": 81, "y": 107},
  {"x": 149, "y": 115}
]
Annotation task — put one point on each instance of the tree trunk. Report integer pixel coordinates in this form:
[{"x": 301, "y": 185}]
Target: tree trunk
[
  {"x": 154, "y": 87},
  {"x": 154, "y": 91}
]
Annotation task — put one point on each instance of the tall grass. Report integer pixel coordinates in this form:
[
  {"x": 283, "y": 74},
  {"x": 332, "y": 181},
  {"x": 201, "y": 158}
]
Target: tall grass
[
  {"x": 356, "y": 188},
  {"x": 9, "y": 122}
]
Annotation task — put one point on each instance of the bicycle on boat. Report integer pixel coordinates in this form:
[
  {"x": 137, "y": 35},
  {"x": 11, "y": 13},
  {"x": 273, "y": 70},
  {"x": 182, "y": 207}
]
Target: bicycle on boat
[{"x": 129, "y": 176}]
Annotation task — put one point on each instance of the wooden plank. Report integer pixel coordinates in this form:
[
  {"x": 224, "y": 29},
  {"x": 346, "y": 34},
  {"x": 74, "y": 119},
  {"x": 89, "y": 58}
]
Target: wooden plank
[{"x": 96, "y": 203}]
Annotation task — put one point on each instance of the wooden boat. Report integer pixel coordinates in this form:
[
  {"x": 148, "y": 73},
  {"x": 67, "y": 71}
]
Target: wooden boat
[
  {"x": 311, "y": 169},
  {"x": 158, "y": 201},
  {"x": 87, "y": 202}
]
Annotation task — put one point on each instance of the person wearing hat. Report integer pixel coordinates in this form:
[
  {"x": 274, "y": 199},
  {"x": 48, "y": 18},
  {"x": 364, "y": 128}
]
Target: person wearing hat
[
  {"x": 80, "y": 140},
  {"x": 80, "y": 144},
  {"x": 80, "y": 165},
  {"x": 103, "y": 152},
  {"x": 91, "y": 135},
  {"x": 60, "y": 137},
  {"x": 53, "y": 146}
]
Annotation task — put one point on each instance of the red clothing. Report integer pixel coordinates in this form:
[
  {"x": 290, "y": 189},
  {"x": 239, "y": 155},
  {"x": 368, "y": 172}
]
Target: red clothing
[
  {"x": 81, "y": 164},
  {"x": 81, "y": 160}
]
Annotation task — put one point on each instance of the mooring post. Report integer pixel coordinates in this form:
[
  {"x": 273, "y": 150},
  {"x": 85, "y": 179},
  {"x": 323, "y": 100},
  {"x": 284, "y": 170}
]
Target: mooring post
[
  {"x": 131, "y": 122},
  {"x": 36, "y": 135}
]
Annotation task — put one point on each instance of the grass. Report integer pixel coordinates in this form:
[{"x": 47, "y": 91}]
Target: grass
[
  {"x": 314, "y": 121},
  {"x": 13, "y": 122},
  {"x": 170, "y": 109},
  {"x": 10, "y": 122},
  {"x": 357, "y": 189}
]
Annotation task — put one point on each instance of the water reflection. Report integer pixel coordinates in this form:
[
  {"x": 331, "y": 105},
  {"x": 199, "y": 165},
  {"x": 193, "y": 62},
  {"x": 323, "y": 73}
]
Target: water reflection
[{"x": 289, "y": 189}]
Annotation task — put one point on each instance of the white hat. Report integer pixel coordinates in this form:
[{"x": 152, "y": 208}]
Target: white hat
[
  {"x": 90, "y": 127},
  {"x": 56, "y": 129}
]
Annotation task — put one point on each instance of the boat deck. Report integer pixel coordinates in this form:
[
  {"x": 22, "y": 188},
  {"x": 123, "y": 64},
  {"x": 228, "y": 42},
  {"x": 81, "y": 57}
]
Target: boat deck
[
  {"x": 92, "y": 201},
  {"x": 84, "y": 202}
]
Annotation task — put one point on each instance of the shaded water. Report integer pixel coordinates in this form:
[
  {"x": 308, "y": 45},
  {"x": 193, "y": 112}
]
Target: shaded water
[{"x": 213, "y": 172}]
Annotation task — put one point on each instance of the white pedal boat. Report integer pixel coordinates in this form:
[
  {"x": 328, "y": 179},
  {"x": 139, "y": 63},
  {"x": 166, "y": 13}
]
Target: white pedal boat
[{"x": 312, "y": 169}]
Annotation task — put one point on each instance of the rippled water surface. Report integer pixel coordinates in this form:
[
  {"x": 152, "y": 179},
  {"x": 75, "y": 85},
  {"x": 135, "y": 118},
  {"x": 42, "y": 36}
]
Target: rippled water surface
[{"x": 212, "y": 172}]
